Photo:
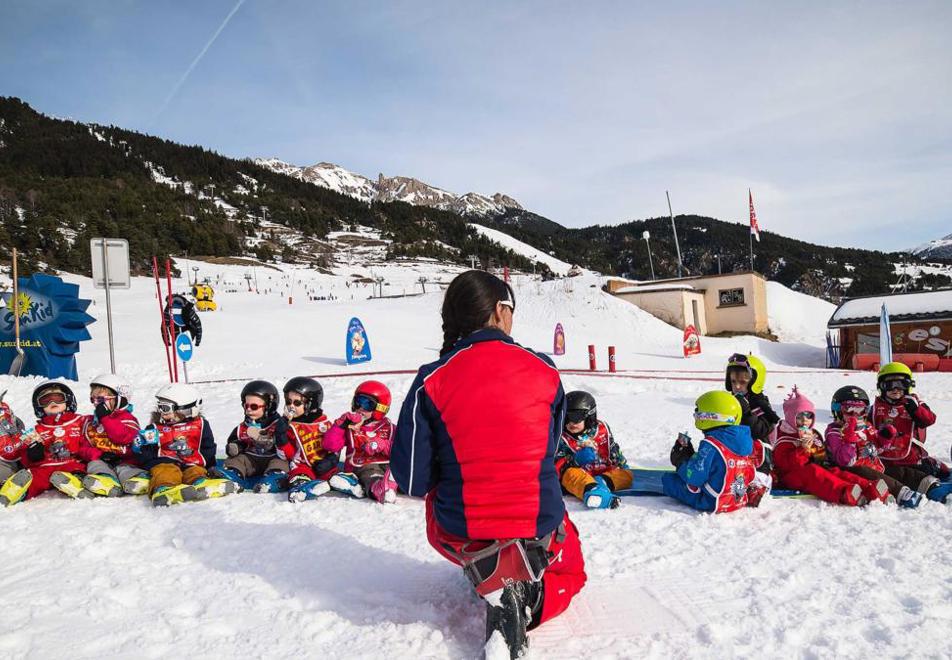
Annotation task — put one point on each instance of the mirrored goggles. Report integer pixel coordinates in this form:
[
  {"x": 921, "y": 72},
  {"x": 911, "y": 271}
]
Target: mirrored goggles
[
  {"x": 576, "y": 416},
  {"x": 854, "y": 408},
  {"x": 50, "y": 398},
  {"x": 364, "y": 402}
]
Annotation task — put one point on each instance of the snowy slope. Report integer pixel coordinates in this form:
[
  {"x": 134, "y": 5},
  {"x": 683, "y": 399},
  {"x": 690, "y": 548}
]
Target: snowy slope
[
  {"x": 556, "y": 265},
  {"x": 255, "y": 576},
  {"x": 797, "y": 317}
]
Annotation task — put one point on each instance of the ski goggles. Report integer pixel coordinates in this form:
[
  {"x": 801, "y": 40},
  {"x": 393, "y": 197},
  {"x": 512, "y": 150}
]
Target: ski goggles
[
  {"x": 168, "y": 407},
  {"x": 297, "y": 403},
  {"x": 738, "y": 360},
  {"x": 575, "y": 416},
  {"x": 854, "y": 408},
  {"x": 50, "y": 398},
  {"x": 806, "y": 415},
  {"x": 710, "y": 416},
  {"x": 365, "y": 403},
  {"x": 102, "y": 398},
  {"x": 255, "y": 406},
  {"x": 895, "y": 384}
]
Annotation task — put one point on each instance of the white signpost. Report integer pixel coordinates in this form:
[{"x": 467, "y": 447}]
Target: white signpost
[{"x": 110, "y": 262}]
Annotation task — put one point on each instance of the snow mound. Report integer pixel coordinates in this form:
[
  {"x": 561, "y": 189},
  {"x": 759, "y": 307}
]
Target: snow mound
[
  {"x": 797, "y": 317},
  {"x": 555, "y": 265}
]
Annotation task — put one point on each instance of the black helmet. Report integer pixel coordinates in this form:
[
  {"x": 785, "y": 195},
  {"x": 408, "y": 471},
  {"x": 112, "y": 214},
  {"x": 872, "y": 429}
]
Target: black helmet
[
  {"x": 846, "y": 395},
  {"x": 265, "y": 390},
  {"x": 53, "y": 386},
  {"x": 308, "y": 388},
  {"x": 580, "y": 406}
]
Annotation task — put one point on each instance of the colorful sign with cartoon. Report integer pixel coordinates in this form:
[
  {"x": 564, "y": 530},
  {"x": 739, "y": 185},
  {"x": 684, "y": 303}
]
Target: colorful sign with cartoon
[
  {"x": 558, "y": 341},
  {"x": 358, "y": 345}
]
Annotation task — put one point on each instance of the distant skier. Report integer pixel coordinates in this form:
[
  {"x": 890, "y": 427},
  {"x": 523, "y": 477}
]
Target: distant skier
[
  {"x": 800, "y": 460},
  {"x": 897, "y": 405},
  {"x": 590, "y": 463},
  {"x": 477, "y": 436},
  {"x": 253, "y": 460},
  {"x": 183, "y": 316},
  {"x": 364, "y": 435}
]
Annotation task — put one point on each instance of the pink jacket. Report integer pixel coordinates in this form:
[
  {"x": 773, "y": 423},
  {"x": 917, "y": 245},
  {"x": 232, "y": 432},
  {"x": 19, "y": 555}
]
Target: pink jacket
[
  {"x": 365, "y": 444},
  {"x": 848, "y": 445}
]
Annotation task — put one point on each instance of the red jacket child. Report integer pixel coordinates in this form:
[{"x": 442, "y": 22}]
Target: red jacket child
[{"x": 799, "y": 459}]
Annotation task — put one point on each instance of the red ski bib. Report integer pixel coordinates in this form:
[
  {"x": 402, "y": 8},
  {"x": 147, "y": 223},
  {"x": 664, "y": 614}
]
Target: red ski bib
[
  {"x": 738, "y": 474},
  {"x": 182, "y": 442}
]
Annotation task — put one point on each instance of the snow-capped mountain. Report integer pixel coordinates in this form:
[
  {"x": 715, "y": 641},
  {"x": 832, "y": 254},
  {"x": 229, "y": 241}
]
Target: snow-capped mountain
[
  {"x": 393, "y": 189},
  {"x": 940, "y": 248}
]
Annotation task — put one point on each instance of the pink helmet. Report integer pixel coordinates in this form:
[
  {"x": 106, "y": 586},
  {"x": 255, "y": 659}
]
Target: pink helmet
[{"x": 795, "y": 404}]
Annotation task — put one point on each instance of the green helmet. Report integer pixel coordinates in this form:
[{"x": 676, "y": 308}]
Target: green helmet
[
  {"x": 716, "y": 408},
  {"x": 892, "y": 372},
  {"x": 752, "y": 365}
]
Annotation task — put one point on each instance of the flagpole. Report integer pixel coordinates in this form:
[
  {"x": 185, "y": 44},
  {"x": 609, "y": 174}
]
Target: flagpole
[
  {"x": 674, "y": 229},
  {"x": 750, "y": 233}
]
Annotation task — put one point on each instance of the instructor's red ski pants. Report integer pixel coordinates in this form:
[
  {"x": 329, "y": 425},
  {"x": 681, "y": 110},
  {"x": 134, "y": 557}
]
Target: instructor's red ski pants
[{"x": 564, "y": 577}]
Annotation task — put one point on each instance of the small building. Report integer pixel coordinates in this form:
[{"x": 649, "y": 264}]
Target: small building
[
  {"x": 920, "y": 324},
  {"x": 714, "y": 304}
]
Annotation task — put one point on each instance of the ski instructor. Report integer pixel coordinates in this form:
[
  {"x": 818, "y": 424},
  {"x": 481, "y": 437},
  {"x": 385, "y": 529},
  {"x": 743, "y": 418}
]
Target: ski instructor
[{"x": 477, "y": 436}]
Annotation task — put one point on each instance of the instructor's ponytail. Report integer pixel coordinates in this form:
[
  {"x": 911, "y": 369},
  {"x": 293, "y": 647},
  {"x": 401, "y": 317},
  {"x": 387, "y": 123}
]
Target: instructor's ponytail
[{"x": 469, "y": 304}]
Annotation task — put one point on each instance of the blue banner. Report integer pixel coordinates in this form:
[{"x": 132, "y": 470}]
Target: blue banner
[
  {"x": 358, "y": 345},
  {"x": 53, "y": 321}
]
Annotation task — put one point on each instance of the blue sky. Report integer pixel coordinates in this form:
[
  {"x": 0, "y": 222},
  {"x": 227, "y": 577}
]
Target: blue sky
[{"x": 837, "y": 115}]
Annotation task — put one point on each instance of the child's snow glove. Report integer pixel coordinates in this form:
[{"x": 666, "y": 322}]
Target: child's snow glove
[
  {"x": 325, "y": 464},
  {"x": 35, "y": 452},
  {"x": 232, "y": 449},
  {"x": 352, "y": 418},
  {"x": 911, "y": 406},
  {"x": 585, "y": 456},
  {"x": 101, "y": 411},
  {"x": 682, "y": 450}
]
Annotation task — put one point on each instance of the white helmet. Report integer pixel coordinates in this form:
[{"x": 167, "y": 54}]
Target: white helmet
[
  {"x": 184, "y": 398},
  {"x": 114, "y": 383}
]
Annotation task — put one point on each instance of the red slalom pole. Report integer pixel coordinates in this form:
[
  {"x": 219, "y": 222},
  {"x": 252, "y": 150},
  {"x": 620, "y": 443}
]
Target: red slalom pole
[
  {"x": 158, "y": 297},
  {"x": 591, "y": 357},
  {"x": 168, "y": 277},
  {"x": 611, "y": 359}
]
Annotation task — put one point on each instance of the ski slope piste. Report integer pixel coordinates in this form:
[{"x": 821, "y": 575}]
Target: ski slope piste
[{"x": 253, "y": 575}]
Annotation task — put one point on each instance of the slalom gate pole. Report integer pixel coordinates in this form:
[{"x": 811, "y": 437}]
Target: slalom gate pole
[
  {"x": 158, "y": 292},
  {"x": 168, "y": 278},
  {"x": 591, "y": 357}
]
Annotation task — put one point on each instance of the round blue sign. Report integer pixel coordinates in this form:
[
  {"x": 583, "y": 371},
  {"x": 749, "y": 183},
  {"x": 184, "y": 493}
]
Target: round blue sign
[{"x": 183, "y": 346}]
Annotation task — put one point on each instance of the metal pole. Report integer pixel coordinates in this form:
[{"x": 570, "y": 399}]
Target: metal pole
[
  {"x": 105, "y": 277},
  {"x": 185, "y": 368},
  {"x": 718, "y": 264},
  {"x": 677, "y": 246},
  {"x": 751, "y": 236},
  {"x": 650, "y": 263}
]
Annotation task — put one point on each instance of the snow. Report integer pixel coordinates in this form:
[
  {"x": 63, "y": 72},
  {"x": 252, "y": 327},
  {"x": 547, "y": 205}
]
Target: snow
[
  {"x": 255, "y": 576},
  {"x": 555, "y": 265},
  {"x": 797, "y": 317},
  {"x": 926, "y": 302},
  {"x": 655, "y": 287}
]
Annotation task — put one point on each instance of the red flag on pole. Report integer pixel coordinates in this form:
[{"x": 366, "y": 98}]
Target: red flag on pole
[{"x": 754, "y": 228}]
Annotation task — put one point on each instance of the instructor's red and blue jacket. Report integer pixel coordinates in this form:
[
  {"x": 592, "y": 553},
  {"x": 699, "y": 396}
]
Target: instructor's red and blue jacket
[
  {"x": 477, "y": 434},
  {"x": 697, "y": 478}
]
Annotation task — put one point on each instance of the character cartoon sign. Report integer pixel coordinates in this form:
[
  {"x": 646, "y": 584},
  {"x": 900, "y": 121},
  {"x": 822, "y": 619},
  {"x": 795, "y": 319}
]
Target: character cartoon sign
[
  {"x": 358, "y": 346},
  {"x": 558, "y": 342}
]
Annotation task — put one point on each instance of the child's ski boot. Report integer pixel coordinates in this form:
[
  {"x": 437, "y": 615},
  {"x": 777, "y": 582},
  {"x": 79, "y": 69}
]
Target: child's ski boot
[
  {"x": 136, "y": 485},
  {"x": 599, "y": 496},
  {"x": 69, "y": 484},
  {"x": 908, "y": 498},
  {"x": 509, "y": 613},
  {"x": 303, "y": 489},
  {"x": 384, "y": 490},
  {"x": 940, "y": 492},
  {"x": 102, "y": 484},
  {"x": 216, "y": 487},
  {"x": 15, "y": 488},
  {"x": 169, "y": 495},
  {"x": 346, "y": 482},
  {"x": 231, "y": 474},
  {"x": 272, "y": 482}
]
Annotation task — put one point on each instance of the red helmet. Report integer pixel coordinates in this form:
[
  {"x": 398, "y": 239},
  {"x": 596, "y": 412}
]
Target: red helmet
[{"x": 378, "y": 395}]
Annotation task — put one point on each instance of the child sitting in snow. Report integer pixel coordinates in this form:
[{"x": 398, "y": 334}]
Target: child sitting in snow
[
  {"x": 303, "y": 444},
  {"x": 364, "y": 434},
  {"x": 898, "y": 406},
  {"x": 589, "y": 461},
  {"x": 53, "y": 453},
  {"x": 851, "y": 443},
  {"x": 178, "y": 449},
  {"x": 720, "y": 476},
  {"x": 253, "y": 461},
  {"x": 745, "y": 377},
  {"x": 11, "y": 427},
  {"x": 112, "y": 429},
  {"x": 799, "y": 460}
]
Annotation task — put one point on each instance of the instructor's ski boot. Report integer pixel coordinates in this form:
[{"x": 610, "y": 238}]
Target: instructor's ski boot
[
  {"x": 307, "y": 489},
  {"x": 599, "y": 496},
  {"x": 347, "y": 482},
  {"x": 216, "y": 487},
  {"x": 169, "y": 495},
  {"x": 136, "y": 485},
  {"x": 272, "y": 482},
  {"x": 69, "y": 484},
  {"x": 509, "y": 613},
  {"x": 102, "y": 484},
  {"x": 15, "y": 488}
]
